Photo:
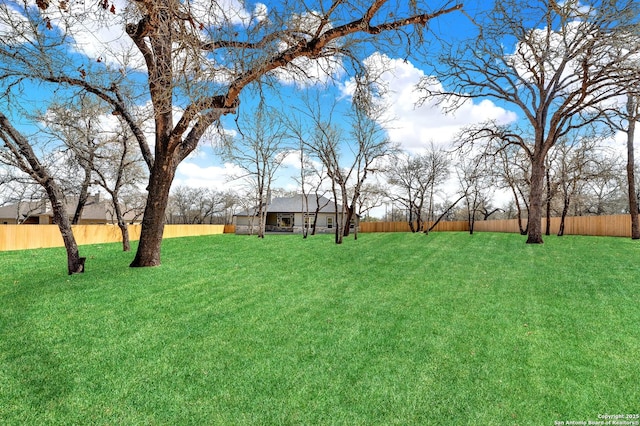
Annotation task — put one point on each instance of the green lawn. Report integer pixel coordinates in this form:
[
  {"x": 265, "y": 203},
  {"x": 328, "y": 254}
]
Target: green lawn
[{"x": 449, "y": 329}]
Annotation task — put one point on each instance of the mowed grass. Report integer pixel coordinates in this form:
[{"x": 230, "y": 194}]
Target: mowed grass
[{"x": 445, "y": 329}]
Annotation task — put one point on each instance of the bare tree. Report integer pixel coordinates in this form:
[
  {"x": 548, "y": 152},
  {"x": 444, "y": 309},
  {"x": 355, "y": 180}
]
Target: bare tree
[
  {"x": 438, "y": 164},
  {"x": 568, "y": 57},
  {"x": 191, "y": 205},
  {"x": 19, "y": 153},
  {"x": 349, "y": 156},
  {"x": 312, "y": 185},
  {"x": 513, "y": 173},
  {"x": 325, "y": 145},
  {"x": 633, "y": 116},
  {"x": 408, "y": 186},
  {"x": 413, "y": 181},
  {"x": 77, "y": 124},
  {"x": 603, "y": 190},
  {"x": 624, "y": 119},
  {"x": 571, "y": 165},
  {"x": 229, "y": 202},
  {"x": 117, "y": 167},
  {"x": 259, "y": 151},
  {"x": 312, "y": 177},
  {"x": 371, "y": 196},
  {"x": 476, "y": 182},
  {"x": 100, "y": 149},
  {"x": 369, "y": 145},
  {"x": 198, "y": 57}
]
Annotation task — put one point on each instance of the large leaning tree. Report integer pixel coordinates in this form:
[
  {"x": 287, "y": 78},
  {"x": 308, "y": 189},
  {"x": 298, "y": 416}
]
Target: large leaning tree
[
  {"x": 16, "y": 151},
  {"x": 190, "y": 61},
  {"x": 551, "y": 61}
]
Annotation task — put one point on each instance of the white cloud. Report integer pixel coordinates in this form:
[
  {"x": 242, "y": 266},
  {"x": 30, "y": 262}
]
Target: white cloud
[
  {"x": 222, "y": 12},
  {"x": 415, "y": 127},
  {"x": 215, "y": 177},
  {"x": 97, "y": 33},
  {"x": 617, "y": 145},
  {"x": 14, "y": 27},
  {"x": 100, "y": 33},
  {"x": 260, "y": 12}
]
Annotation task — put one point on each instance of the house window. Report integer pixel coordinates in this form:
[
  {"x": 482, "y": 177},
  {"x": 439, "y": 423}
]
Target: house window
[
  {"x": 309, "y": 219},
  {"x": 329, "y": 222},
  {"x": 285, "y": 220}
]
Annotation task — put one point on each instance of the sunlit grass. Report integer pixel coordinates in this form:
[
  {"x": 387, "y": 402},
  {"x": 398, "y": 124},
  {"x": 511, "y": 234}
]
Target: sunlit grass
[{"x": 388, "y": 329}]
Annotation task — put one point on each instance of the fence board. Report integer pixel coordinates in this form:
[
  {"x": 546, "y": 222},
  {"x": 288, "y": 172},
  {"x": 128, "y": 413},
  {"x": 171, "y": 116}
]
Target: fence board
[
  {"x": 23, "y": 237},
  {"x": 404, "y": 226},
  {"x": 613, "y": 226}
]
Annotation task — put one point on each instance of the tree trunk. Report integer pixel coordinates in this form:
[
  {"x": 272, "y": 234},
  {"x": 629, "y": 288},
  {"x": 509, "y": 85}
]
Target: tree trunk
[
  {"x": 565, "y": 211},
  {"x": 534, "y": 223},
  {"x": 349, "y": 217},
  {"x": 75, "y": 263},
  {"x": 355, "y": 229},
  {"x": 547, "y": 230},
  {"x": 82, "y": 200},
  {"x": 262, "y": 219},
  {"x": 439, "y": 219},
  {"x": 338, "y": 215},
  {"x": 631, "y": 178},
  {"x": 82, "y": 197},
  {"x": 148, "y": 253},
  {"x": 315, "y": 218},
  {"x": 122, "y": 224},
  {"x": 518, "y": 211},
  {"x": 410, "y": 219},
  {"x": 471, "y": 213},
  {"x": 124, "y": 230}
]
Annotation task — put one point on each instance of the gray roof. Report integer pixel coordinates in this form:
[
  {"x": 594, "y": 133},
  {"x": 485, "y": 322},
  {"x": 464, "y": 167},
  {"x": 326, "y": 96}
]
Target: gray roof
[{"x": 295, "y": 205}]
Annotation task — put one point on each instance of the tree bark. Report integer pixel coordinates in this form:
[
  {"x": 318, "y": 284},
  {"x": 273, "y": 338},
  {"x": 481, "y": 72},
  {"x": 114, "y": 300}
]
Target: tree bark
[
  {"x": 631, "y": 178},
  {"x": 122, "y": 224},
  {"x": 410, "y": 218},
  {"x": 349, "y": 216},
  {"x": 75, "y": 263},
  {"x": 87, "y": 168},
  {"x": 439, "y": 219},
  {"x": 536, "y": 196},
  {"x": 82, "y": 198},
  {"x": 565, "y": 211},
  {"x": 547, "y": 230},
  {"x": 153, "y": 221}
]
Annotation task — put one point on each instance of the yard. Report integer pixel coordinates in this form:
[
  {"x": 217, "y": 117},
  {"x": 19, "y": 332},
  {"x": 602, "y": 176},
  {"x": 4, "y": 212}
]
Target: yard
[{"x": 449, "y": 329}]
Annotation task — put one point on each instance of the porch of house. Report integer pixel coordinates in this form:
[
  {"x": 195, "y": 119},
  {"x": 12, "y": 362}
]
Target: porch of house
[{"x": 280, "y": 222}]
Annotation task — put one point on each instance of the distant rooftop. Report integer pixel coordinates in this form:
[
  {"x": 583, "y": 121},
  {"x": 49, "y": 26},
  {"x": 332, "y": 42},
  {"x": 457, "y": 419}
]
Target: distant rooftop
[{"x": 295, "y": 205}]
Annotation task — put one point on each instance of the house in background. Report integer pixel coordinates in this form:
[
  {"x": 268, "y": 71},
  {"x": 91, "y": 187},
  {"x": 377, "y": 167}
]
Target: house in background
[
  {"x": 95, "y": 211},
  {"x": 289, "y": 215}
]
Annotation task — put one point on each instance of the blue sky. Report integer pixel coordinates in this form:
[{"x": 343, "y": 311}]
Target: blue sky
[{"x": 413, "y": 128}]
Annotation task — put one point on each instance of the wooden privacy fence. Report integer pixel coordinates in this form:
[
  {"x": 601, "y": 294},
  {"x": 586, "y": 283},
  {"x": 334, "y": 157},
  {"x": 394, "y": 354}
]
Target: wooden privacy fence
[
  {"x": 404, "y": 226},
  {"x": 613, "y": 226},
  {"x": 22, "y": 237}
]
